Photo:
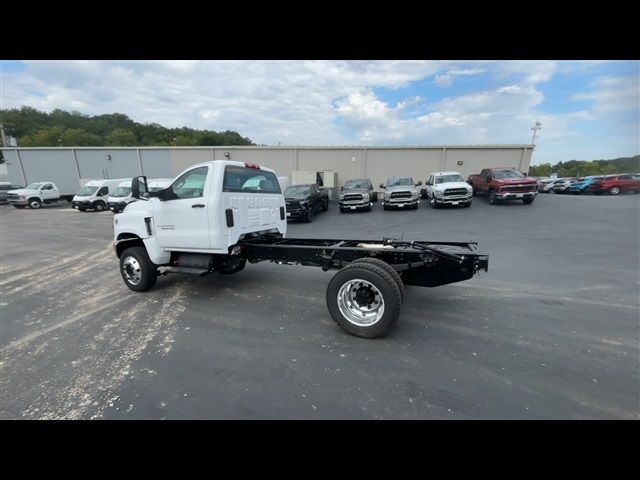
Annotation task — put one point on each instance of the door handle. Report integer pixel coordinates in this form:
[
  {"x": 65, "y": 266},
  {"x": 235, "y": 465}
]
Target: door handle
[{"x": 197, "y": 205}]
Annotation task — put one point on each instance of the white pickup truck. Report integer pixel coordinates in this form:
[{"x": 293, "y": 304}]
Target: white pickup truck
[
  {"x": 217, "y": 216},
  {"x": 35, "y": 194},
  {"x": 448, "y": 188}
]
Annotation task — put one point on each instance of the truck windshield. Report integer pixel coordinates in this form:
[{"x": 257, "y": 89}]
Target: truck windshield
[
  {"x": 449, "y": 179},
  {"x": 356, "y": 184},
  {"x": 121, "y": 192},
  {"x": 296, "y": 190},
  {"x": 33, "y": 186},
  {"x": 87, "y": 191},
  {"x": 511, "y": 173},
  {"x": 397, "y": 181}
]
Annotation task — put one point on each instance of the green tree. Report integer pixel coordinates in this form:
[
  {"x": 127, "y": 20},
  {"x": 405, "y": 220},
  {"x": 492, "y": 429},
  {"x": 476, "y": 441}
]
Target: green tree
[{"x": 122, "y": 137}]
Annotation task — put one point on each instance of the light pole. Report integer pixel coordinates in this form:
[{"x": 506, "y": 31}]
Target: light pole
[{"x": 537, "y": 126}]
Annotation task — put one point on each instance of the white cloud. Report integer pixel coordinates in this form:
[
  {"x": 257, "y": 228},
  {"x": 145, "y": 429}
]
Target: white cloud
[
  {"x": 444, "y": 80},
  {"x": 613, "y": 94}
]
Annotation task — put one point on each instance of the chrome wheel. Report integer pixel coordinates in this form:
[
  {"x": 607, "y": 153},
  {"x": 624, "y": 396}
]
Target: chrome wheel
[
  {"x": 34, "y": 204},
  {"x": 360, "y": 302},
  {"x": 131, "y": 270},
  {"x": 614, "y": 191}
]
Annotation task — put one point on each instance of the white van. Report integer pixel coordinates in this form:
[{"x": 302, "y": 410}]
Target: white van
[
  {"x": 156, "y": 184},
  {"x": 95, "y": 194},
  {"x": 121, "y": 196}
]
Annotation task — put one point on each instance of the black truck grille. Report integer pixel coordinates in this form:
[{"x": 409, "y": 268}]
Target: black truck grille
[
  {"x": 400, "y": 195},
  {"x": 523, "y": 187},
  {"x": 353, "y": 197},
  {"x": 13, "y": 196},
  {"x": 455, "y": 191}
]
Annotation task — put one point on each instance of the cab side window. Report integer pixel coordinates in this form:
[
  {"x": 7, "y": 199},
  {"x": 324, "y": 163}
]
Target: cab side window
[
  {"x": 190, "y": 184},
  {"x": 103, "y": 191},
  {"x": 47, "y": 186},
  {"x": 485, "y": 174}
]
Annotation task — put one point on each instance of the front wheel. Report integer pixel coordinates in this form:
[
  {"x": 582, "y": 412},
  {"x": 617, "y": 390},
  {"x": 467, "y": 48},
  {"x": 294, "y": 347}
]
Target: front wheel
[
  {"x": 99, "y": 206},
  {"x": 492, "y": 198},
  {"x": 138, "y": 271},
  {"x": 527, "y": 201},
  {"x": 614, "y": 190},
  {"x": 325, "y": 205},
  {"x": 364, "y": 300},
  {"x": 467, "y": 205},
  {"x": 34, "y": 203},
  {"x": 310, "y": 215}
]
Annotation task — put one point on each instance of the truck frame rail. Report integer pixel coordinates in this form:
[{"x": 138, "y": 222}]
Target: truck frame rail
[{"x": 420, "y": 263}]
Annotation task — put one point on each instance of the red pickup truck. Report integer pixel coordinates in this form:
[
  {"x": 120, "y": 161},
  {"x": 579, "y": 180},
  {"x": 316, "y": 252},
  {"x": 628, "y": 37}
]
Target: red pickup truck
[{"x": 504, "y": 183}]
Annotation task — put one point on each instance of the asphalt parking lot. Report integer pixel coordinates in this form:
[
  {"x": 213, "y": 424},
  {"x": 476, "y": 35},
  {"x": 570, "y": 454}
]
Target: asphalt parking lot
[{"x": 551, "y": 331}]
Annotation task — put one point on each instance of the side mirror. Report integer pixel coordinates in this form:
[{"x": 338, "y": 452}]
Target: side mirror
[
  {"x": 382, "y": 186},
  {"x": 419, "y": 183},
  {"x": 139, "y": 188}
]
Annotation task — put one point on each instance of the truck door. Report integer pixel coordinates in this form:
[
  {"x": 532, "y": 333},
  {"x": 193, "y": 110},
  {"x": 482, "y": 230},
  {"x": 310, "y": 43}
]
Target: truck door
[
  {"x": 485, "y": 177},
  {"x": 429, "y": 187},
  {"x": 181, "y": 218},
  {"x": 48, "y": 192}
]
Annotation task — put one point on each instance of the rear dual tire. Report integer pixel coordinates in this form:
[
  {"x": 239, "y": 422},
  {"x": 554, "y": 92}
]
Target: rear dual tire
[{"x": 364, "y": 298}]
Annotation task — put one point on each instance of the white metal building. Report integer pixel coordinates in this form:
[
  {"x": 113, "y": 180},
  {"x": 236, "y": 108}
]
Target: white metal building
[{"x": 71, "y": 167}]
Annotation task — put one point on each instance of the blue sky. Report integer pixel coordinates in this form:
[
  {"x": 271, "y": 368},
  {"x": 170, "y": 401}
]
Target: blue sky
[{"x": 588, "y": 110}]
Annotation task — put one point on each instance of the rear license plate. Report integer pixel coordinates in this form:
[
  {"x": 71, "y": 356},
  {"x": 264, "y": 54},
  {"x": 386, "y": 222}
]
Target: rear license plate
[
  {"x": 401, "y": 205},
  {"x": 352, "y": 208},
  {"x": 288, "y": 214},
  {"x": 519, "y": 195},
  {"x": 455, "y": 203}
]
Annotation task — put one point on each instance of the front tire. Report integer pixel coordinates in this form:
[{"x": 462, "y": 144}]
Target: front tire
[
  {"x": 528, "y": 201},
  {"x": 325, "y": 205},
  {"x": 309, "y": 215},
  {"x": 614, "y": 191},
  {"x": 35, "y": 203},
  {"x": 492, "y": 198},
  {"x": 467, "y": 205},
  {"x": 364, "y": 300},
  {"x": 138, "y": 271},
  {"x": 99, "y": 206}
]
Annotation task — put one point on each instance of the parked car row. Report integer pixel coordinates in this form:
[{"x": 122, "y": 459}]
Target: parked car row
[{"x": 594, "y": 184}]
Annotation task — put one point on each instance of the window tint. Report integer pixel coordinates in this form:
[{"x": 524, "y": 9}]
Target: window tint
[
  {"x": 240, "y": 179},
  {"x": 190, "y": 184}
]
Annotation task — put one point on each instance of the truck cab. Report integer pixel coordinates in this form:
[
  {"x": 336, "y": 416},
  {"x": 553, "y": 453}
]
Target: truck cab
[{"x": 206, "y": 209}]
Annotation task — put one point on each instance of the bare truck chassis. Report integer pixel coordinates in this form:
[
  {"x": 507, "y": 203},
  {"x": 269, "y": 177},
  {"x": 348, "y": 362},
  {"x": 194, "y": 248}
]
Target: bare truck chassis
[{"x": 366, "y": 294}]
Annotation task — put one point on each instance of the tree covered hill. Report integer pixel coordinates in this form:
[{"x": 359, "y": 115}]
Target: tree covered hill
[
  {"x": 574, "y": 168},
  {"x": 33, "y": 128}
]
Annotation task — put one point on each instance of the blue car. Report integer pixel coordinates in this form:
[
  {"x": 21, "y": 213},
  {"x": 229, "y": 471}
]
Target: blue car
[{"x": 581, "y": 184}]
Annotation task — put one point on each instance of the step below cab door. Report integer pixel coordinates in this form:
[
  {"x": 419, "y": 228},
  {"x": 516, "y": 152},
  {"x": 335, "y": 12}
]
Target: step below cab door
[{"x": 181, "y": 216}]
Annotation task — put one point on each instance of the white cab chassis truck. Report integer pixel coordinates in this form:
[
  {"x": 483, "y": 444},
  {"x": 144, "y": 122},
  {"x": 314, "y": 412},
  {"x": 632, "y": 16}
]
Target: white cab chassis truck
[{"x": 217, "y": 216}]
